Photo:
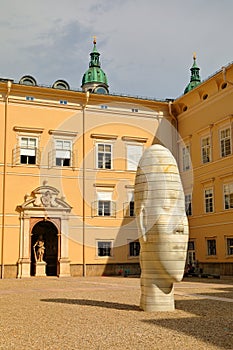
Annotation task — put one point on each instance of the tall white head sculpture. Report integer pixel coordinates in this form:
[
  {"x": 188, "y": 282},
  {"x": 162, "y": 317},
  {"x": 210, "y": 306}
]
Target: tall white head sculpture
[{"x": 163, "y": 227}]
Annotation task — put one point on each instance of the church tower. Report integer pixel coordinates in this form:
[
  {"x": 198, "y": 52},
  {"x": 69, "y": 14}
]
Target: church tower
[
  {"x": 195, "y": 78},
  {"x": 94, "y": 79}
]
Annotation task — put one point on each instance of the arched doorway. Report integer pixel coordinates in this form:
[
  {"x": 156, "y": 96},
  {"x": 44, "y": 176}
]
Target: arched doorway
[{"x": 48, "y": 232}]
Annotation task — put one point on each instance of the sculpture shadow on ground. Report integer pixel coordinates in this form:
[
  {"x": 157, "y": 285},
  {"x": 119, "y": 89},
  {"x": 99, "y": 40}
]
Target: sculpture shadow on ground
[
  {"x": 95, "y": 303},
  {"x": 205, "y": 315}
]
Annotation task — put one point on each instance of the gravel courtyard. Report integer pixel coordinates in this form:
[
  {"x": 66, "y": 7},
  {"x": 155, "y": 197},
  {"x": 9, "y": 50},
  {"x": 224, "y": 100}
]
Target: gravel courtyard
[{"x": 102, "y": 313}]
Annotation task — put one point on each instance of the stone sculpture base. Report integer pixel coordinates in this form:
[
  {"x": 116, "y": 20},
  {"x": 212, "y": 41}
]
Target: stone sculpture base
[
  {"x": 40, "y": 268},
  {"x": 155, "y": 299}
]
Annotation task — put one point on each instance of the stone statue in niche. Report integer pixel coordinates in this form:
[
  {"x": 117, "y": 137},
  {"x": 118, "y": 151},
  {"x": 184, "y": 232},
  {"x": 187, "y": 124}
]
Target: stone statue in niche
[
  {"x": 163, "y": 227},
  {"x": 39, "y": 249}
]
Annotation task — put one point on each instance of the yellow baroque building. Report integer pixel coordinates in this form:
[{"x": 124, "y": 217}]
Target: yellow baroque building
[{"x": 68, "y": 161}]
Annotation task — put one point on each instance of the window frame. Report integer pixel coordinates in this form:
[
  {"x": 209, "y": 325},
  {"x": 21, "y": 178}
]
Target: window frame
[
  {"x": 204, "y": 147},
  {"x": 70, "y": 150},
  {"x": 230, "y": 184},
  {"x": 97, "y": 144},
  {"x": 35, "y": 148},
  {"x": 133, "y": 166},
  {"x": 223, "y": 152},
  {"x": 207, "y": 199},
  {"x": 229, "y": 247},
  {"x": 135, "y": 249},
  {"x": 186, "y": 158},
  {"x": 104, "y": 241},
  {"x": 209, "y": 247},
  {"x": 188, "y": 204}
]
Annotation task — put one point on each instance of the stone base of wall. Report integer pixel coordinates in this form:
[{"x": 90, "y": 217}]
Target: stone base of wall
[
  {"x": 221, "y": 269},
  {"x": 10, "y": 271},
  {"x": 106, "y": 270}
]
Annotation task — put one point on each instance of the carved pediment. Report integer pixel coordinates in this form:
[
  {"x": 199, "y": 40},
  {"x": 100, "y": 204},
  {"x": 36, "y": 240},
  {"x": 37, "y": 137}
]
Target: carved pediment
[{"x": 44, "y": 197}]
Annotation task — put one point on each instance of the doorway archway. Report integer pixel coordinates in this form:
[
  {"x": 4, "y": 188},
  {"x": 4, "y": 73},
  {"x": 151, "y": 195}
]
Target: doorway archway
[{"x": 49, "y": 234}]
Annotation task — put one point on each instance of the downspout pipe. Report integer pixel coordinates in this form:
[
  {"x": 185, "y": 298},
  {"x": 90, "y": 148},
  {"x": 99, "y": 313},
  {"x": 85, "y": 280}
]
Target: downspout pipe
[
  {"x": 84, "y": 182},
  {"x": 8, "y": 86},
  {"x": 224, "y": 71},
  {"x": 174, "y": 119}
]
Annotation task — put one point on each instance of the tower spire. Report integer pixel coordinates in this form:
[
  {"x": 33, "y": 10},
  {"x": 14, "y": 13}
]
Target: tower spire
[{"x": 195, "y": 78}]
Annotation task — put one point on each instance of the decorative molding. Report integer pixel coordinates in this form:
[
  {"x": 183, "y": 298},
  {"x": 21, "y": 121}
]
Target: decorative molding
[
  {"x": 104, "y": 185},
  {"x": 104, "y": 136},
  {"x": 63, "y": 133},
  {"x": 26, "y": 129},
  {"x": 135, "y": 139}
]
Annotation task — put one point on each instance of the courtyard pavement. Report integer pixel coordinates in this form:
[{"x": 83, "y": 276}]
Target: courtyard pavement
[{"x": 102, "y": 313}]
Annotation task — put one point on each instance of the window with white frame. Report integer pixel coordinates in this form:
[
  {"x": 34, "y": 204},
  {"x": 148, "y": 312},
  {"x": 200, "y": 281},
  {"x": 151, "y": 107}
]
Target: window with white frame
[
  {"x": 63, "y": 150},
  {"x": 104, "y": 156},
  {"x": 211, "y": 247},
  {"x": 129, "y": 205},
  {"x": 205, "y": 150},
  {"x": 225, "y": 142},
  {"x": 104, "y": 248},
  {"x": 191, "y": 255},
  {"x": 186, "y": 158},
  {"x": 188, "y": 204},
  {"x": 28, "y": 150},
  {"x": 209, "y": 200},
  {"x": 104, "y": 203},
  {"x": 134, "y": 248},
  {"x": 229, "y": 246},
  {"x": 134, "y": 153},
  {"x": 228, "y": 196}
]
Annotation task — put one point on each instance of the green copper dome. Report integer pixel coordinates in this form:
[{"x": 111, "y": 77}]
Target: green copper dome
[
  {"x": 195, "y": 77},
  {"x": 94, "y": 79}
]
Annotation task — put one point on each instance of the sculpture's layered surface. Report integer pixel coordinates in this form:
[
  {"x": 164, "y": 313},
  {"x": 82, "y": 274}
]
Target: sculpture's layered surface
[{"x": 163, "y": 227}]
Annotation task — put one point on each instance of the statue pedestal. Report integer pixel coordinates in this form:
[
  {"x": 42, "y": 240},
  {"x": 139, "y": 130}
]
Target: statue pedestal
[{"x": 40, "y": 267}]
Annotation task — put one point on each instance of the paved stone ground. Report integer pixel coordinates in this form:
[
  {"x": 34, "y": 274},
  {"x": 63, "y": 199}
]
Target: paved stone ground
[{"x": 103, "y": 313}]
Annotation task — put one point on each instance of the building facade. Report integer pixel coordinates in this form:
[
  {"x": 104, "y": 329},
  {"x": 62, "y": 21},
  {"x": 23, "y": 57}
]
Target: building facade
[{"x": 68, "y": 161}]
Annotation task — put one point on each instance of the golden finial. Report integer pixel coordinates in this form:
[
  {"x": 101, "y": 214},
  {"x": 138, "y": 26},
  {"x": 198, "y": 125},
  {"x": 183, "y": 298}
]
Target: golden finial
[
  {"x": 94, "y": 39},
  {"x": 194, "y": 55}
]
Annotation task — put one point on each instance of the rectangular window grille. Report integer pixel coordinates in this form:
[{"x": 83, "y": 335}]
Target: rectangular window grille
[
  {"x": 63, "y": 152},
  {"x": 209, "y": 200},
  {"x": 186, "y": 158},
  {"x": 134, "y": 248},
  {"x": 229, "y": 246},
  {"x": 228, "y": 196},
  {"x": 211, "y": 246},
  {"x": 188, "y": 204},
  {"x": 28, "y": 147},
  {"x": 225, "y": 142},
  {"x": 104, "y": 156},
  {"x": 205, "y": 150},
  {"x": 104, "y": 248}
]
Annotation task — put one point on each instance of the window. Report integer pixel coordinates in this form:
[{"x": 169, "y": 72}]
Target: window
[
  {"x": 63, "y": 152},
  {"x": 188, "y": 204},
  {"x": 211, "y": 246},
  {"x": 104, "y": 208},
  {"x": 209, "y": 200},
  {"x": 134, "y": 248},
  {"x": 225, "y": 142},
  {"x": 186, "y": 158},
  {"x": 104, "y": 205},
  {"x": 134, "y": 153},
  {"x": 28, "y": 150},
  {"x": 104, "y": 156},
  {"x": 191, "y": 256},
  {"x": 205, "y": 150},
  {"x": 228, "y": 196},
  {"x": 229, "y": 246},
  {"x": 104, "y": 248}
]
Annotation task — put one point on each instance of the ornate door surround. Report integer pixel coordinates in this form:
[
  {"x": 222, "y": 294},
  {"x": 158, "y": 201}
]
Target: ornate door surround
[{"x": 43, "y": 204}]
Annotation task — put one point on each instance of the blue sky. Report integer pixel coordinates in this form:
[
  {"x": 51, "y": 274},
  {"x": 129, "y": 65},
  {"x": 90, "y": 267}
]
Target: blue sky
[{"x": 146, "y": 46}]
